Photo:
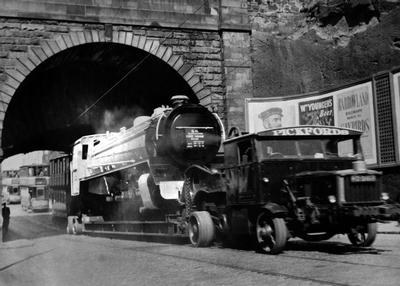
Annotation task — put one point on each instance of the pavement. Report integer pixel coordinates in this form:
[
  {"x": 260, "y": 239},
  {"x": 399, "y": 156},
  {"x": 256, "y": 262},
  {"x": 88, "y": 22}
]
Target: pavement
[{"x": 389, "y": 227}]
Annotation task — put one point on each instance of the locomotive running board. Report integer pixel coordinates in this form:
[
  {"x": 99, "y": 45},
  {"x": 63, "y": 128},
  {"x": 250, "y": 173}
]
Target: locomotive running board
[{"x": 113, "y": 170}]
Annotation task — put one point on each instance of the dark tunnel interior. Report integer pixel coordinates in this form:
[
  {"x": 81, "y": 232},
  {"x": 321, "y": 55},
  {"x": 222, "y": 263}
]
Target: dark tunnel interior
[{"x": 47, "y": 112}]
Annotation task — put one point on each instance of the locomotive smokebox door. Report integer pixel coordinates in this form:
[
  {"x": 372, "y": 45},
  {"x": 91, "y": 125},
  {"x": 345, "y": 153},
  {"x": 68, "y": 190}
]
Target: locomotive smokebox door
[{"x": 192, "y": 134}]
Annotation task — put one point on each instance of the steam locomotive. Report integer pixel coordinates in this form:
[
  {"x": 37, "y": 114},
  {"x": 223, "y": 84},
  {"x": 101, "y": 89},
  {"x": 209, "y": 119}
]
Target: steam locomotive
[{"x": 138, "y": 173}]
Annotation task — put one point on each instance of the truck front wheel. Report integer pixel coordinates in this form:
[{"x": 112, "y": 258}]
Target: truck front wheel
[
  {"x": 363, "y": 235},
  {"x": 201, "y": 229},
  {"x": 271, "y": 233}
]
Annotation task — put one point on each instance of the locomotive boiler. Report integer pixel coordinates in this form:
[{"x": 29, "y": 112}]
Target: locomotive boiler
[{"x": 138, "y": 173}]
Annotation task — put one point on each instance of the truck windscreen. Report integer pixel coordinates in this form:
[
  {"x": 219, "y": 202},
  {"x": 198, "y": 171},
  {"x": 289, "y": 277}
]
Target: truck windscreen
[{"x": 308, "y": 148}]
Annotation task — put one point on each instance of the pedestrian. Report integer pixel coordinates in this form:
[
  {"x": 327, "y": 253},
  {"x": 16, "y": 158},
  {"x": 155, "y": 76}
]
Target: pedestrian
[{"x": 5, "y": 212}]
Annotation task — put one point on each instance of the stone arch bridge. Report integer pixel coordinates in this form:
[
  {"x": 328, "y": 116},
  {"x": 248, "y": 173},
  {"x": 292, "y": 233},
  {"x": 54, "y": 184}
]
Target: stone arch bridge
[{"x": 58, "y": 58}]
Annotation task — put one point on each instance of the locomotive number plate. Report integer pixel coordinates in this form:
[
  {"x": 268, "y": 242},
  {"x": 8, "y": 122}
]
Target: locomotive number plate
[
  {"x": 194, "y": 139},
  {"x": 360, "y": 178}
]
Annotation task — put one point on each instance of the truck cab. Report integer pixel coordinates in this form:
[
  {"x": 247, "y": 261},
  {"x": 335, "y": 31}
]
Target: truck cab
[
  {"x": 304, "y": 181},
  {"x": 257, "y": 164}
]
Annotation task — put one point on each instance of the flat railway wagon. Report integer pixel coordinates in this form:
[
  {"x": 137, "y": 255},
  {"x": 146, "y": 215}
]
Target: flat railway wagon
[{"x": 165, "y": 177}]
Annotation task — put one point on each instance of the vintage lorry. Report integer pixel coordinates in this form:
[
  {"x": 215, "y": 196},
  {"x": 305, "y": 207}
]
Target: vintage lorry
[{"x": 306, "y": 181}]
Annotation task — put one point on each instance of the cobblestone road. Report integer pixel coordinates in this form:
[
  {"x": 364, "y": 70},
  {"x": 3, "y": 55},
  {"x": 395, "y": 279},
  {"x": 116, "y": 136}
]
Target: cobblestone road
[{"x": 40, "y": 255}]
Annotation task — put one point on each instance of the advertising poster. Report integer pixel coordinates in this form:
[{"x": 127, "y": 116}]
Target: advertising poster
[
  {"x": 317, "y": 112},
  {"x": 350, "y": 107},
  {"x": 270, "y": 114},
  {"x": 354, "y": 109}
]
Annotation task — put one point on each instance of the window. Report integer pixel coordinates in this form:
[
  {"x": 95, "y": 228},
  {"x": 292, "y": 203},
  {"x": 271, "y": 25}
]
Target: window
[
  {"x": 84, "y": 151},
  {"x": 275, "y": 149},
  {"x": 245, "y": 152},
  {"x": 318, "y": 148}
]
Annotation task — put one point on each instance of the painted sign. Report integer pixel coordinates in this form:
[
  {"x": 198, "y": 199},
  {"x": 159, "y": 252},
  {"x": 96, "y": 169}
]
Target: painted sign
[
  {"x": 307, "y": 131},
  {"x": 355, "y": 110},
  {"x": 194, "y": 139},
  {"x": 350, "y": 107},
  {"x": 317, "y": 112}
]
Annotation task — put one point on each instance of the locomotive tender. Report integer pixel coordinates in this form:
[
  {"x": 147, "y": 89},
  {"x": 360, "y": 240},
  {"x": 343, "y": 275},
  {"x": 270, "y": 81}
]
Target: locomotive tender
[{"x": 165, "y": 176}]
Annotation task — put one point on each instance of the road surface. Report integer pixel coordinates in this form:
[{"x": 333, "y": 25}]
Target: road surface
[{"x": 39, "y": 253}]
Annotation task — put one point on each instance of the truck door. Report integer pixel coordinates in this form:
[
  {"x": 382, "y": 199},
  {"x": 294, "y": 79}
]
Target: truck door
[{"x": 246, "y": 171}]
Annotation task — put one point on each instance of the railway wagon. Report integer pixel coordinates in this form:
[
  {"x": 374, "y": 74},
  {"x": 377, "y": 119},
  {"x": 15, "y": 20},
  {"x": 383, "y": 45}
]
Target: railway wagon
[{"x": 60, "y": 185}]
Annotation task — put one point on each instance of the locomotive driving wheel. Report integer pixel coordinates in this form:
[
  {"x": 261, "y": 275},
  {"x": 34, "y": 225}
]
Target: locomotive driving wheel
[
  {"x": 201, "y": 229},
  {"x": 363, "y": 235},
  {"x": 271, "y": 233}
]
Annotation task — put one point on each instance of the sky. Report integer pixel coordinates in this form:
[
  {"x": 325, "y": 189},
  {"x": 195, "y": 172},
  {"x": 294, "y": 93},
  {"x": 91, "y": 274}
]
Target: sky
[{"x": 14, "y": 162}]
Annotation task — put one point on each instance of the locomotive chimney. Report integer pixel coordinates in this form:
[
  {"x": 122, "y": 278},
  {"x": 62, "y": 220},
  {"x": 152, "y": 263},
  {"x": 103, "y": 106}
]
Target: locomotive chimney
[{"x": 178, "y": 100}]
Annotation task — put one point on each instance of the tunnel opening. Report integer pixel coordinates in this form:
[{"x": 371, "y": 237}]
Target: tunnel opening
[{"x": 49, "y": 110}]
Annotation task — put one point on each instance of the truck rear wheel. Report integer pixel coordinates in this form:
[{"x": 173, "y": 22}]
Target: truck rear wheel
[
  {"x": 201, "y": 229},
  {"x": 271, "y": 233},
  {"x": 363, "y": 235}
]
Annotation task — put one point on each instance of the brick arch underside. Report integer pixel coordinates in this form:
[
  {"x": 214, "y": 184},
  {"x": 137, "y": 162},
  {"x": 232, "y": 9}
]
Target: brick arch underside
[{"x": 48, "y": 48}]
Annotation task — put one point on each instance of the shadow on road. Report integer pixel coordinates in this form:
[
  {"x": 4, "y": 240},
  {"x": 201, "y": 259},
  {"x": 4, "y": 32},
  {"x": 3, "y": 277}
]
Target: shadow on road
[
  {"x": 34, "y": 226},
  {"x": 331, "y": 247}
]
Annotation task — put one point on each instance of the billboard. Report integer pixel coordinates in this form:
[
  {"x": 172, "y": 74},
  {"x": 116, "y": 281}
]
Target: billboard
[{"x": 351, "y": 107}]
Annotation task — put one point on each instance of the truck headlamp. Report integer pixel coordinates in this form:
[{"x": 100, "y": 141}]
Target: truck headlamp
[
  {"x": 332, "y": 199},
  {"x": 384, "y": 196}
]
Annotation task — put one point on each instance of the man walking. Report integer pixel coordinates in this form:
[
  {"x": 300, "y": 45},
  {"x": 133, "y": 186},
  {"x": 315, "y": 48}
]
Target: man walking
[{"x": 5, "y": 212}]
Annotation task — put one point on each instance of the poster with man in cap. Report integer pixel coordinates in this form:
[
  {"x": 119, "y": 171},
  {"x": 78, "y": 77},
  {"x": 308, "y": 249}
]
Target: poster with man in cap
[{"x": 272, "y": 117}]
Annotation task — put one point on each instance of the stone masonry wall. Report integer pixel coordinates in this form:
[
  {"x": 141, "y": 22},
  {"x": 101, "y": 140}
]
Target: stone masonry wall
[
  {"x": 202, "y": 50},
  {"x": 293, "y": 52}
]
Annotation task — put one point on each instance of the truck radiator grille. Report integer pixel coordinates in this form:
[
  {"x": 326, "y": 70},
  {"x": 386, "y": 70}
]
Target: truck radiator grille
[{"x": 361, "y": 192}]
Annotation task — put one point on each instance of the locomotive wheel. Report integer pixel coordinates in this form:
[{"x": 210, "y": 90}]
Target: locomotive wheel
[
  {"x": 73, "y": 226},
  {"x": 271, "y": 233},
  {"x": 77, "y": 228},
  {"x": 69, "y": 229},
  {"x": 316, "y": 237},
  {"x": 363, "y": 235},
  {"x": 201, "y": 229}
]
